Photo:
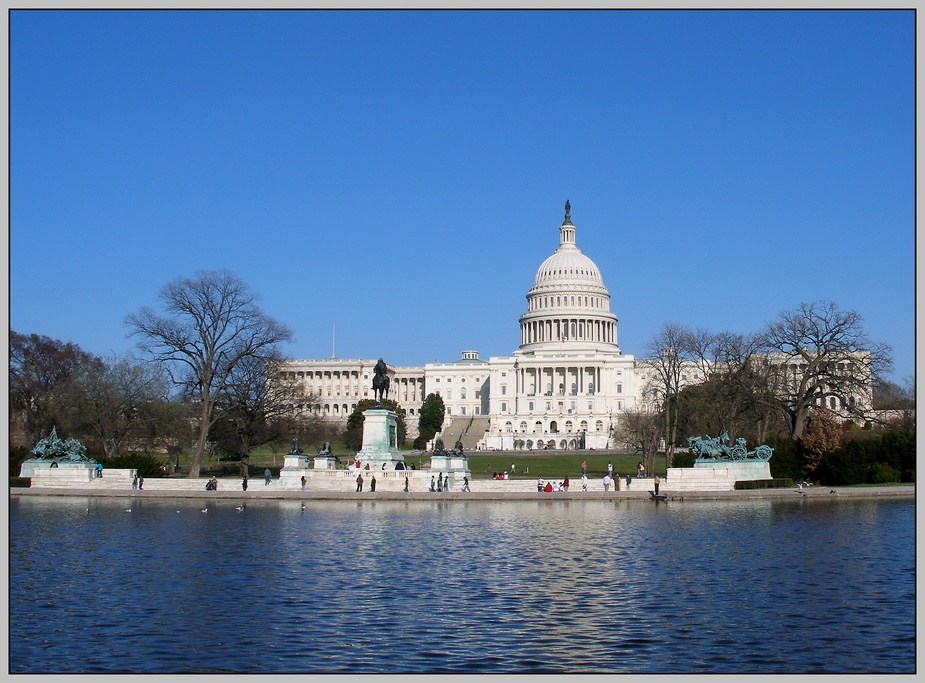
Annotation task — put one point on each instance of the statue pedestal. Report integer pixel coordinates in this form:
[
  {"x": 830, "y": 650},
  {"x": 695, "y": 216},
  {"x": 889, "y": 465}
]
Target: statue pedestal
[
  {"x": 453, "y": 466},
  {"x": 295, "y": 461},
  {"x": 380, "y": 439},
  {"x": 324, "y": 462}
]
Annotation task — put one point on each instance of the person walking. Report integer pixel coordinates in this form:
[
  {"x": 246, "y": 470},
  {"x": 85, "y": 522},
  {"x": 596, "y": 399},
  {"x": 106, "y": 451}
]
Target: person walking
[
  {"x": 433, "y": 484},
  {"x": 584, "y": 481},
  {"x": 440, "y": 483},
  {"x": 244, "y": 482},
  {"x": 466, "y": 484},
  {"x": 372, "y": 484},
  {"x": 657, "y": 482},
  {"x": 135, "y": 483},
  {"x": 266, "y": 476},
  {"x": 141, "y": 483},
  {"x": 359, "y": 483},
  {"x": 303, "y": 482},
  {"x": 607, "y": 481},
  {"x": 407, "y": 483}
]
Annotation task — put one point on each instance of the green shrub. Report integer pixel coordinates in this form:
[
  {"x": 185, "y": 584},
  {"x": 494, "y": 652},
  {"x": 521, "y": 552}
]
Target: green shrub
[
  {"x": 682, "y": 459},
  {"x": 881, "y": 458},
  {"x": 147, "y": 465},
  {"x": 783, "y": 483},
  {"x": 18, "y": 455},
  {"x": 882, "y": 473},
  {"x": 20, "y": 482},
  {"x": 786, "y": 462}
]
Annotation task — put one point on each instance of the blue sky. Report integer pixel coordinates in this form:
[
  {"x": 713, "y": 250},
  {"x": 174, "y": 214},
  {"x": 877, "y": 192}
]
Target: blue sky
[{"x": 389, "y": 182}]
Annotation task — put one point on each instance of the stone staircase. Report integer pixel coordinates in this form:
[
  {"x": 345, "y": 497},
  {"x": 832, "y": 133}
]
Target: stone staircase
[{"x": 469, "y": 430}]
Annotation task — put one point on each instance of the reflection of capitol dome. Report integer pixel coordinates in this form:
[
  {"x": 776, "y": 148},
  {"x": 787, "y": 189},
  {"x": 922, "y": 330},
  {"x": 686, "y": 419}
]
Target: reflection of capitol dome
[{"x": 568, "y": 303}]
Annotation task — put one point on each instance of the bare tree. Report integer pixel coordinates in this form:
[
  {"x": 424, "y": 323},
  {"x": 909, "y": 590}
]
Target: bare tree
[
  {"x": 664, "y": 370},
  {"x": 642, "y": 432},
  {"x": 212, "y": 324},
  {"x": 107, "y": 402},
  {"x": 256, "y": 396},
  {"x": 41, "y": 368},
  {"x": 816, "y": 353}
]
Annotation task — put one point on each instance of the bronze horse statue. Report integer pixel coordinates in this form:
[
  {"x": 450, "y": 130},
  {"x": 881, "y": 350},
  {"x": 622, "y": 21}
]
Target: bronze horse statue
[{"x": 381, "y": 381}]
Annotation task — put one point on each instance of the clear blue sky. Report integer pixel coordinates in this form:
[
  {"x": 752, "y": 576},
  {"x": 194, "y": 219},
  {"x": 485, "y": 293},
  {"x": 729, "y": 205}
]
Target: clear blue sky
[{"x": 389, "y": 182}]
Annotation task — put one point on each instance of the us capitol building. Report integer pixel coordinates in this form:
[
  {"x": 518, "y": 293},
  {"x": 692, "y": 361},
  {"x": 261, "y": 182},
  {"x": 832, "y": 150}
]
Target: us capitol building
[{"x": 564, "y": 387}]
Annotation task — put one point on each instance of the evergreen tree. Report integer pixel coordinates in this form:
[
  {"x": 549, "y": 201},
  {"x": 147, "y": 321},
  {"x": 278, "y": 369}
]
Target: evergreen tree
[{"x": 430, "y": 419}]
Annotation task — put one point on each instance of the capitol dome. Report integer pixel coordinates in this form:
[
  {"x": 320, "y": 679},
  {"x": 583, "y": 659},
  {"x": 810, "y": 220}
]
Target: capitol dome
[{"x": 568, "y": 303}]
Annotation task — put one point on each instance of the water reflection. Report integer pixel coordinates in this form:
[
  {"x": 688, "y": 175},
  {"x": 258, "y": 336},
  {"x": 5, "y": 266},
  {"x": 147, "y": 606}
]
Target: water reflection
[{"x": 476, "y": 587}]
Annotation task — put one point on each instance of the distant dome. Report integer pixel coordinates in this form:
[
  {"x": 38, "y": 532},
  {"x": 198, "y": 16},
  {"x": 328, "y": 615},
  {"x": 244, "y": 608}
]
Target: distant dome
[
  {"x": 568, "y": 303},
  {"x": 568, "y": 268}
]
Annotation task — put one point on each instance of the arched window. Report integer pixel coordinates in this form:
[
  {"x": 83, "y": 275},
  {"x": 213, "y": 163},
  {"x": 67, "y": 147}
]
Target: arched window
[{"x": 508, "y": 427}]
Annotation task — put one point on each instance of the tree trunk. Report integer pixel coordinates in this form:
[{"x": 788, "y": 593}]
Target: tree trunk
[{"x": 201, "y": 442}]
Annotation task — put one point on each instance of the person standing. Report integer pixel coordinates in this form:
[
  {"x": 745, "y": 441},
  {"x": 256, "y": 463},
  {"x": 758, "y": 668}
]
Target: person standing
[
  {"x": 610, "y": 469},
  {"x": 433, "y": 484},
  {"x": 141, "y": 483},
  {"x": 565, "y": 484},
  {"x": 406, "y": 484},
  {"x": 303, "y": 482},
  {"x": 359, "y": 483},
  {"x": 607, "y": 481},
  {"x": 266, "y": 476},
  {"x": 135, "y": 483},
  {"x": 539, "y": 484},
  {"x": 372, "y": 484},
  {"x": 584, "y": 481},
  {"x": 244, "y": 482},
  {"x": 440, "y": 483},
  {"x": 584, "y": 467},
  {"x": 99, "y": 470},
  {"x": 657, "y": 482}
]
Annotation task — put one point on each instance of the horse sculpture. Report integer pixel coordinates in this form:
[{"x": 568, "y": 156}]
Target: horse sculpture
[{"x": 381, "y": 381}]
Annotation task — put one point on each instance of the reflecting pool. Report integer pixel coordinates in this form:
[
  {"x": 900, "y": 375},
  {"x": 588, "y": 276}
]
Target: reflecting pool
[{"x": 557, "y": 586}]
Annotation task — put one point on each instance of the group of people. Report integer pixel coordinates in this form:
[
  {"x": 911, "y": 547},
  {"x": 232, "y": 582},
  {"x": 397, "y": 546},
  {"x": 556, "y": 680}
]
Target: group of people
[
  {"x": 437, "y": 484},
  {"x": 138, "y": 483},
  {"x": 212, "y": 484},
  {"x": 552, "y": 486},
  {"x": 372, "y": 482}
]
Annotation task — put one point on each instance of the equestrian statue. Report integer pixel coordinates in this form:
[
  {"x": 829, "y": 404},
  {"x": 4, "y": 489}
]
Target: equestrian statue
[{"x": 381, "y": 381}]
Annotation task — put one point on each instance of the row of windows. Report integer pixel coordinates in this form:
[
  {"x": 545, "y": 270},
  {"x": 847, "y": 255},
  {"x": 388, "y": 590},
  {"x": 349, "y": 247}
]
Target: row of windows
[
  {"x": 536, "y": 303},
  {"x": 561, "y": 406},
  {"x": 538, "y": 427}
]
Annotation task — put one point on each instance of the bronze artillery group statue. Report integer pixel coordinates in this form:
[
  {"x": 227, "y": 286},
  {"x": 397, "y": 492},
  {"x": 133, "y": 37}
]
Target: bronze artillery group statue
[{"x": 717, "y": 448}]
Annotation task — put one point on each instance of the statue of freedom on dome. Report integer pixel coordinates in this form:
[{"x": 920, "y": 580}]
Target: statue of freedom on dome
[{"x": 568, "y": 210}]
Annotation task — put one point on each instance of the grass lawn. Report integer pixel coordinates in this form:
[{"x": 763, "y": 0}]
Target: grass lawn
[{"x": 527, "y": 464}]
